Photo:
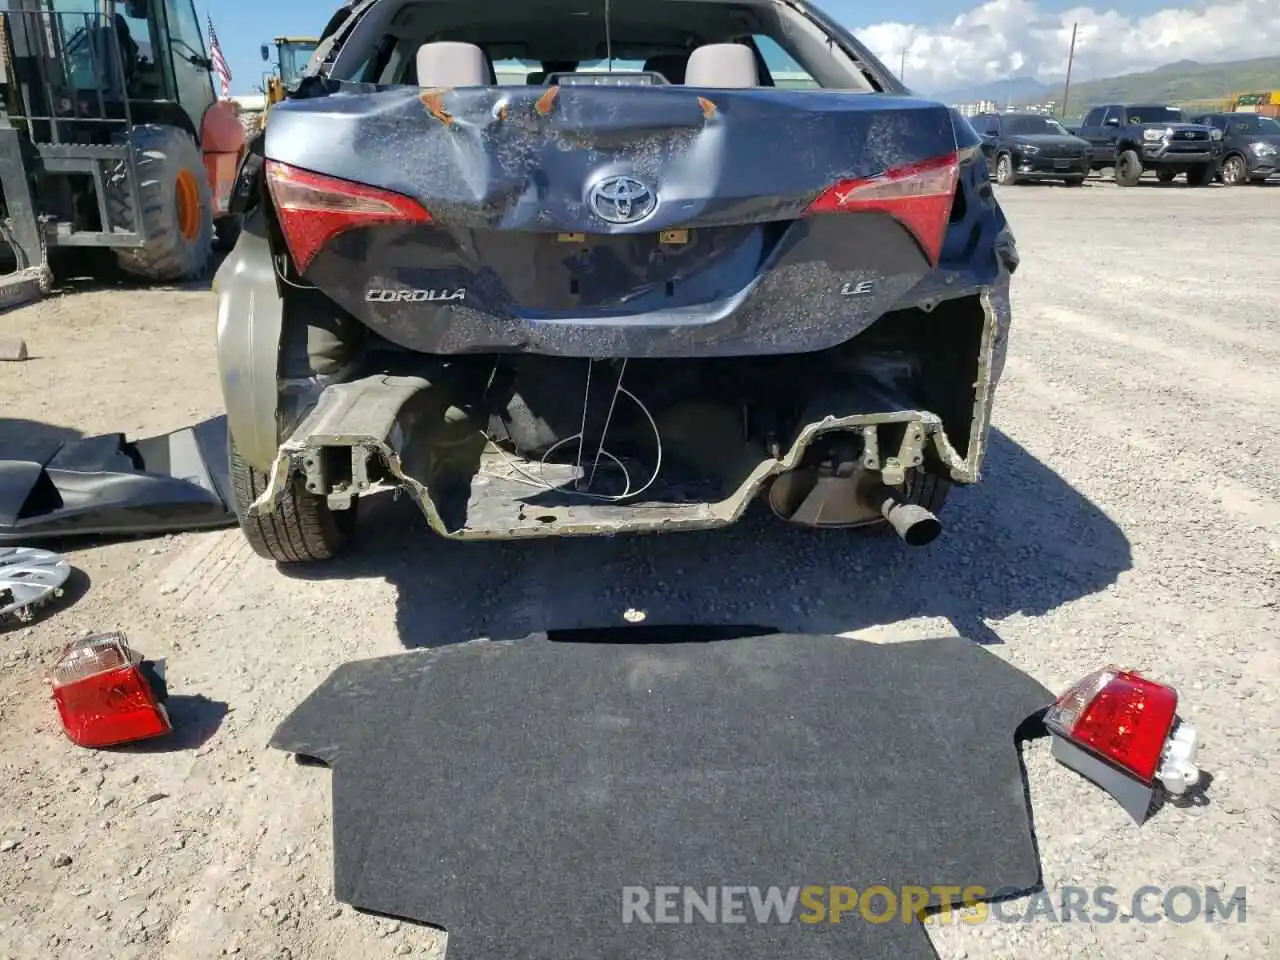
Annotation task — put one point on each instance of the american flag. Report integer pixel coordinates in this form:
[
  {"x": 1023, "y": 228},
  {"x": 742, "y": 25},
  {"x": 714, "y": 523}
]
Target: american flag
[{"x": 219, "y": 61}]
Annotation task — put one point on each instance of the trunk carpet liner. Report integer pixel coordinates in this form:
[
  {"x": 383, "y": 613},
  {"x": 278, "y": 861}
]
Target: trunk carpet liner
[{"x": 509, "y": 791}]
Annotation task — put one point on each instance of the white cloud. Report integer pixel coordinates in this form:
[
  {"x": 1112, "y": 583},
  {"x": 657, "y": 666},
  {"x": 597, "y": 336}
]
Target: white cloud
[{"x": 1011, "y": 38}]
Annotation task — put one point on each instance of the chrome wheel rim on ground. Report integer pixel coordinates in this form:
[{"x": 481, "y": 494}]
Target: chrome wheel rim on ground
[{"x": 28, "y": 578}]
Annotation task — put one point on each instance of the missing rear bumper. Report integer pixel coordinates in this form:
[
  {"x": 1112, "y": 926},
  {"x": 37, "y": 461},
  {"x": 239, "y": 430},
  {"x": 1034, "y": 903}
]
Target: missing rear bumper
[{"x": 410, "y": 433}]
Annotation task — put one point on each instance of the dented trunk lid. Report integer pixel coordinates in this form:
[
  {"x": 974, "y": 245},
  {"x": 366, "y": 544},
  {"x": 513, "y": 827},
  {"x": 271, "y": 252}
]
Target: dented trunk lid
[{"x": 521, "y": 240}]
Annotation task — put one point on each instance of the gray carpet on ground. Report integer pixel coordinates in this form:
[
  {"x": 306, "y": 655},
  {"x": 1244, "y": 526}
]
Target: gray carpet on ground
[{"x": 508, "y": 792}]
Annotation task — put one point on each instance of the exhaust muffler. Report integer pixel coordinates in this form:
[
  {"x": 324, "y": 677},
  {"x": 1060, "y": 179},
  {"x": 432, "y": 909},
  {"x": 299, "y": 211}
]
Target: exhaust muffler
[{"x": 812, "y": 499}]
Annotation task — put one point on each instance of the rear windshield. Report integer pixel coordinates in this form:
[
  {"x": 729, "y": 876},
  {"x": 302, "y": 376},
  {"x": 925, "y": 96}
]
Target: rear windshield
[
  {"x": 1029, "y": 126},
  {"x": 1154, "y": 115},
  {"x": 527, "y": 45}
]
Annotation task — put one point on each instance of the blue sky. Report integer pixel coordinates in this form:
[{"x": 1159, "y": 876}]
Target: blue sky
[{"x": 991, "y": 40}]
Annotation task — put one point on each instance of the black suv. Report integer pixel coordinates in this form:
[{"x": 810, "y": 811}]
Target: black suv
[
  {"x": 1029, "y": 146},
  {"x": 1250, "y": 145}
]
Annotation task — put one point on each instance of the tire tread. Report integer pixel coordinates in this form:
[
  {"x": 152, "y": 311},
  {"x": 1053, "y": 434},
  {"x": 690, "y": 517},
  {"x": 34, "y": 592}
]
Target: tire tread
[
  {"x": 302, "y": 529},
  {"x": 159, "y": 153}
]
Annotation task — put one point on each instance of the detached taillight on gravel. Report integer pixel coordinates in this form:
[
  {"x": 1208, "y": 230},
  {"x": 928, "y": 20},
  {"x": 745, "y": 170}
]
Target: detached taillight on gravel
[
  {"x": 917, "y": 195},
  {"x": 102, "y": 694},
  {"x": 1130, "y": 722},
  {"x": 313, "y": 208}
]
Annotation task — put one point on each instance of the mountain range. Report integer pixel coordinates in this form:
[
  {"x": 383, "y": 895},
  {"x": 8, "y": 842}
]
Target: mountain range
[{"x": 1185, "y": 81}]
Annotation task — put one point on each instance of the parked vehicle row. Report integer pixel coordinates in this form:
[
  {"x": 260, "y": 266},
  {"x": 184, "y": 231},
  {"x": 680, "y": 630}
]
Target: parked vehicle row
[{"x": 1131, "y": 140}]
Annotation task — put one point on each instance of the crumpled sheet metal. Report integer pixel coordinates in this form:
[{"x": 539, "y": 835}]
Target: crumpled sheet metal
[{"x": 509, "y": 158}]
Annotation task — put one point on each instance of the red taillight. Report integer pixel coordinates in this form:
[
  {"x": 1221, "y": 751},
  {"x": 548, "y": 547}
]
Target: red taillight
[
  {"x": 102, "y": 696},
  {"x": 917, "y": 195},
  {"x": 1119, "y": 715},
  {"x": 313, "y": 208}
]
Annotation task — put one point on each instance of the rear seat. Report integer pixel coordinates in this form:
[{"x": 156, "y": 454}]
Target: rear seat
[
  {"x": 448, "y": 63},
  {"x": 722, "y": 65}
]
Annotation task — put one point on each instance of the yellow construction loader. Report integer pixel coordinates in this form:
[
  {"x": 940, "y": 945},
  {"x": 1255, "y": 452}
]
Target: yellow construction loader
[
  {"x": 291, "y": 56},
  {"x": 1266, "y": 103}
]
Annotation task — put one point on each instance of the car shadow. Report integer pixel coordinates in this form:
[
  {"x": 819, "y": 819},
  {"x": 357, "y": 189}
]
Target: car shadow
[
  {"x": 1043, "y": 184},
  {"x": 1150, "y": 182},
  {"x": 1021, "y": 541}
]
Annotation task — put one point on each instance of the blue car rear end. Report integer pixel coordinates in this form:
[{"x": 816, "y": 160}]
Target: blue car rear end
[{"x": 608, "y": 302}]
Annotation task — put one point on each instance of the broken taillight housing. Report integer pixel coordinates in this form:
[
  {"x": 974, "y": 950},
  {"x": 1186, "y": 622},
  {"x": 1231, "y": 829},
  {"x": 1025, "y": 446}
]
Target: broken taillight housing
[
  {"x": 917, "y": 195},
  {"x": 313, "y": 208},
  {"x": 1130, "y": 721},
  {"x": 102, "y": 695}
]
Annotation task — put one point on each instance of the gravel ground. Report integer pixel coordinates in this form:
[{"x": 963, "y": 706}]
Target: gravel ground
[{"x": 1130, "y": 512}]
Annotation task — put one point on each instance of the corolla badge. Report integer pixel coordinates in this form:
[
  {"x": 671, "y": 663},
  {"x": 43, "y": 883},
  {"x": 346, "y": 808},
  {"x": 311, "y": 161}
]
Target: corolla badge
[
  {"x": 378, "y": 295},
  {"x": 622, "y": 200}
]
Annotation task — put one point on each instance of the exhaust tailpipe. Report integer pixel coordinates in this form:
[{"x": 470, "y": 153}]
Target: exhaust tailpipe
[{"x": 915, "y": 525}]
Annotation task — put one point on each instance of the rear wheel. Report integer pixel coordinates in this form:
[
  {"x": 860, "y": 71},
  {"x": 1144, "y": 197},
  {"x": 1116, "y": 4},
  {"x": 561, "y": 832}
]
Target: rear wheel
[
  {"x": 174, "y": 208},
  {"x": 1234, "y": 171},
  {"x": 1166, "y": 176},
  {"x": 301, "y": 530},
  {"x": 927, "y": 490},
  {"x": 1128, "y": 168},
  {"x": 1074, "y": 181},
  {"x": 920, "y": 489},
  {"x": 1201, "y": 175},
  {"x": 1004, "y": 170}
]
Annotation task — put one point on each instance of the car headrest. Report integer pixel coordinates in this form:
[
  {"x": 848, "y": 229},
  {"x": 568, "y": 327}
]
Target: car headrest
[
  {"x": 670, "y": 65},
  {"x": 447, "y": 63},
  {"x": 722, "y": 65}
]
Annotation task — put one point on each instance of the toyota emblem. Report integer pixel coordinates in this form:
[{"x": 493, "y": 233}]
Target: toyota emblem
[{"x": 622, "y": 200}]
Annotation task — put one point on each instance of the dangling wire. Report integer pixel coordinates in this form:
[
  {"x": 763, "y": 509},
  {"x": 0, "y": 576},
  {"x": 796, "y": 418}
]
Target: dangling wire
[
  {"x": 281, "y": 274},
  {"x": 608, "y": 418},
  {"x": 522, "y": 476}
]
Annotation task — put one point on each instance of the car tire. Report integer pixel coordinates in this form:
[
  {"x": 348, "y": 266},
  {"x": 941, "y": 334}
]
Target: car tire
[
  {"x": 1074, "y": 181},
  {"x": 302, "y": 529},
  {"x": 1005, "y": 175},
  {"x": 1166, "y": 176},
  {"x": 1234, "y": 171},
  {"x": 174, "y": 205},
  {"x": 922, "y": 489},
  {"x": 1201, "y": 175},
  {"x": 927, "y": 490},
  {"x": 1128, "y": 168}
]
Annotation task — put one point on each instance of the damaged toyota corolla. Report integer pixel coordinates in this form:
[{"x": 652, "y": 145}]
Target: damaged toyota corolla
[{"x": 695, "y": 254}]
